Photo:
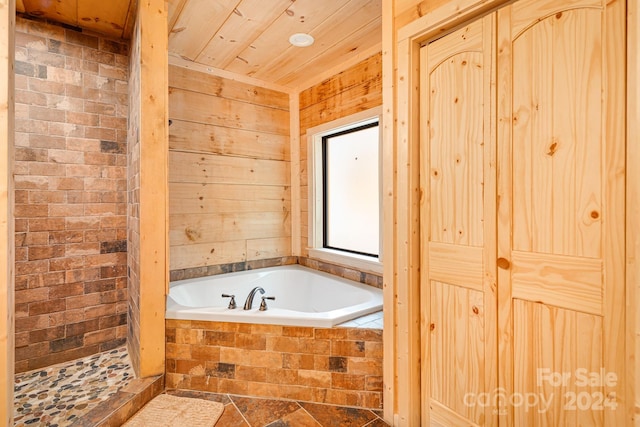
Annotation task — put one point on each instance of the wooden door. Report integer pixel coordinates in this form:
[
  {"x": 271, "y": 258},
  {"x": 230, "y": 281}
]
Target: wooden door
[
  {"x": 458, "y": 235},
  {"x": 561, "y": 212},
  {"x": 544, "y": 344}
]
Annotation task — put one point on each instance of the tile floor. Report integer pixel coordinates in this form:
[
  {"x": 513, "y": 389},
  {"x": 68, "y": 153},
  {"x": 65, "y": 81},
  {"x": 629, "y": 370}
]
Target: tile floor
[
  {"x": 242, "y": 411},
  {"x": 58, "y": 395}
]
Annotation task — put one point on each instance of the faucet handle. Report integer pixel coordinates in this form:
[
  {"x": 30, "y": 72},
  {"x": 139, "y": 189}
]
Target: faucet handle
[
  {"x": 232, "y": 303},
  {"x": 263, "y": 304}
]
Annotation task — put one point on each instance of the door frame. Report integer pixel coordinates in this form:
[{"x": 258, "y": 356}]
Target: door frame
[{"x": 406, "y": 276}]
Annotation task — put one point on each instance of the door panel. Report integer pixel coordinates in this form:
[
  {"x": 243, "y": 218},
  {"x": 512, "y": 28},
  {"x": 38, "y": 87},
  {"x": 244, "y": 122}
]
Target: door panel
[
  {"x": 557, "y": 135},
  {"x": 458, "y": 239},
  {"x": 457, "y": 351},
  {"x": 561, "y": 212},
  {"x": 542, "y": 396}
]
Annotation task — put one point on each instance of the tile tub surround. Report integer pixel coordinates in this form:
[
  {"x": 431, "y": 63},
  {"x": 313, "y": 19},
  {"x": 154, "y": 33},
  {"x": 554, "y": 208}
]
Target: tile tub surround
[
  {"x": 61, "y": 394},
  {"x": 340, "y": 366}
]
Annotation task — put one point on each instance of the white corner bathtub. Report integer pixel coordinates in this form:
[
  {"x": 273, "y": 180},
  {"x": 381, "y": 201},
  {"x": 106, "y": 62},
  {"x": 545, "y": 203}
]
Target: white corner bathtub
[{"x": 303, "y": 297}]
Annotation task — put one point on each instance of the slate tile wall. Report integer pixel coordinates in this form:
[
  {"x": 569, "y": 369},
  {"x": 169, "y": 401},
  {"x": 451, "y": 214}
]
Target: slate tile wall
[{"x": 70, "y": 190}]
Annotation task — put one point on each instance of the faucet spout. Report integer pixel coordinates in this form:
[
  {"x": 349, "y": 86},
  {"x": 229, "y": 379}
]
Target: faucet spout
[{"x": 252, "y": 294}]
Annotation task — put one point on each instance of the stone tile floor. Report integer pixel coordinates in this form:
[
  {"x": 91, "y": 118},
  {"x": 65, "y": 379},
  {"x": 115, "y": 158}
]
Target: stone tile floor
[
  {"x": 242, "y": 411},
  {"x": 58, "y": 395}
]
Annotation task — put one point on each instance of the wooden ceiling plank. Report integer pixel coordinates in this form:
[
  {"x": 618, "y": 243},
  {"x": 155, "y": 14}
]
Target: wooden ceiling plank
[
  {"x": 301, "y": 17},
  {"x": 247, "y": 22},
  {"x": 339, "y": 53},
  {"x": 348, "y": 20},
  {"x": 130, "y": 20},
  {"x": 174, "y": 9},
  {"x": 20, "y": 6},
  {"x": 104, "y": 17},
  {"x": 197, "y": 24},
  {"x": 60, "y": 11}
]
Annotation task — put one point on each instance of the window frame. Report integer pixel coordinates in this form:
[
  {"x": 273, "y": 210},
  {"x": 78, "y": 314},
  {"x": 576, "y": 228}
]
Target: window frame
[{"x": 316, "y": 247}]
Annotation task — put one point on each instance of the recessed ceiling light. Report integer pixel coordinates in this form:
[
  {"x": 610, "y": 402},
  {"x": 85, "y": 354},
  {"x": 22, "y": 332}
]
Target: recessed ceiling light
[{"x": 301, "y": 40}]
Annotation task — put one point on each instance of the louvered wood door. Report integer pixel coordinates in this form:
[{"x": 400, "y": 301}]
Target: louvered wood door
[
  {"x": 458, "y": 217},
  {"x": 561, "y": 219},
  {"x": 522, "y": 219}
]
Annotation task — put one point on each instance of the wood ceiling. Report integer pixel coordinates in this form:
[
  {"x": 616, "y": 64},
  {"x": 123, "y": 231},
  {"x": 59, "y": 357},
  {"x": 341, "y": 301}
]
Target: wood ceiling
[
  {"x": 113, "y": 18},
  {"x": 251, "y": 37},
  {"x": 245, "y": 37}
]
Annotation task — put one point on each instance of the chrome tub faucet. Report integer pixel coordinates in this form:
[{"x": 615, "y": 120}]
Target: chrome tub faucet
[{"x": 249, "y": 301}]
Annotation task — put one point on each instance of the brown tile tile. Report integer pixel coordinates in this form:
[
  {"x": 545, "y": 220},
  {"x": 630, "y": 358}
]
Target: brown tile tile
[
  {"x": 221, "y": 370},
  {"x": 331, "y": 333},
  {"x": 339, "y": 364},
  {"x": 251, "y": 341},
  {"x": 342, "y": 397},
  {"x": 299, "y": 418},
  {"x": 373, "y": 383},
  {"x": 284, "y": 344},
  {"x": 377, "y": 423},
  {"x": 265, "y": 359},
  {"x": 314, "y": 378},
  {"x": 138, "y": 385},
  {"x": 282, "y": 376},
  {"x": 330, "y": 416},
  {"x": 349, "y": 348},
  {"x": 261, "y": 389},
  {"x": 297, "y": 361},
  {"x": 347, "y": 381},
  {"x": 227, "y": 339},
  {"x": 232, "y": 386},
  {"x": 261, "y": 412},
  {"x": 370, "y": 399},
  {"x": 294, "y": 331},
  {"x": 249, "y": 373},
  {"x": 363, "y": 366},
  {"x": 266, "y": 329},
  {"x": 374, "y": 350},
  {"x": 231, "y": 417},
  {"x": 364, "y": 334}
]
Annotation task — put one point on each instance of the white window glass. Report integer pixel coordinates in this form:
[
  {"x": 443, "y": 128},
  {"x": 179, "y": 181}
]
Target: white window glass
[{"x": 352, "y": 191}]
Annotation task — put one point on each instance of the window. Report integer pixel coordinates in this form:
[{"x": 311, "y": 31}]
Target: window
[{"x": 344, "y": 191}]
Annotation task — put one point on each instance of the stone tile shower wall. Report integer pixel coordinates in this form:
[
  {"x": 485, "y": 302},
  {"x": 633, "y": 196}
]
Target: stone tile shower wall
[
  {"x": 70, "y": 191},
  {"x": 341, "y": 366}
]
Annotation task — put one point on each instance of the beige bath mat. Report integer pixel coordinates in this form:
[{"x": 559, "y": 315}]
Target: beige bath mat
[{"x": 174, "y": 411}]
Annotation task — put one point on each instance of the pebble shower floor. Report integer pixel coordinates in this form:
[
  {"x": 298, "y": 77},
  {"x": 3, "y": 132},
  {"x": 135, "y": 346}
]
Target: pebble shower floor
[{"x": 58, "y": 395}]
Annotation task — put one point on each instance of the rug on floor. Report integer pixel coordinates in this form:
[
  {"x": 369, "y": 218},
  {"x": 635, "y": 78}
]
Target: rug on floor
[{"x": 175, "y": 411}]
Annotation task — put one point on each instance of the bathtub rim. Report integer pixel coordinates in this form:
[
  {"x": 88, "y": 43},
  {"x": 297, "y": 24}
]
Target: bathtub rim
[{"x": 274, "y": 316}]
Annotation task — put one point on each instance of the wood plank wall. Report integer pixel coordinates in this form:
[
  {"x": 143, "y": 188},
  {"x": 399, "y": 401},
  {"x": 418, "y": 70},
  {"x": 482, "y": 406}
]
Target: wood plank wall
[
  {"x": 356, "y": 89},
  {"x": 229, "y": 171},
  {"x": 7, "y": 29},
  {"x": 147, "y": 176}
]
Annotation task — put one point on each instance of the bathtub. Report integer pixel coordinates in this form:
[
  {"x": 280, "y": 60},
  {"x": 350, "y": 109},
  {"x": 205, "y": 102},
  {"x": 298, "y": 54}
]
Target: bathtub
[{"x": 303, "y": 297}]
